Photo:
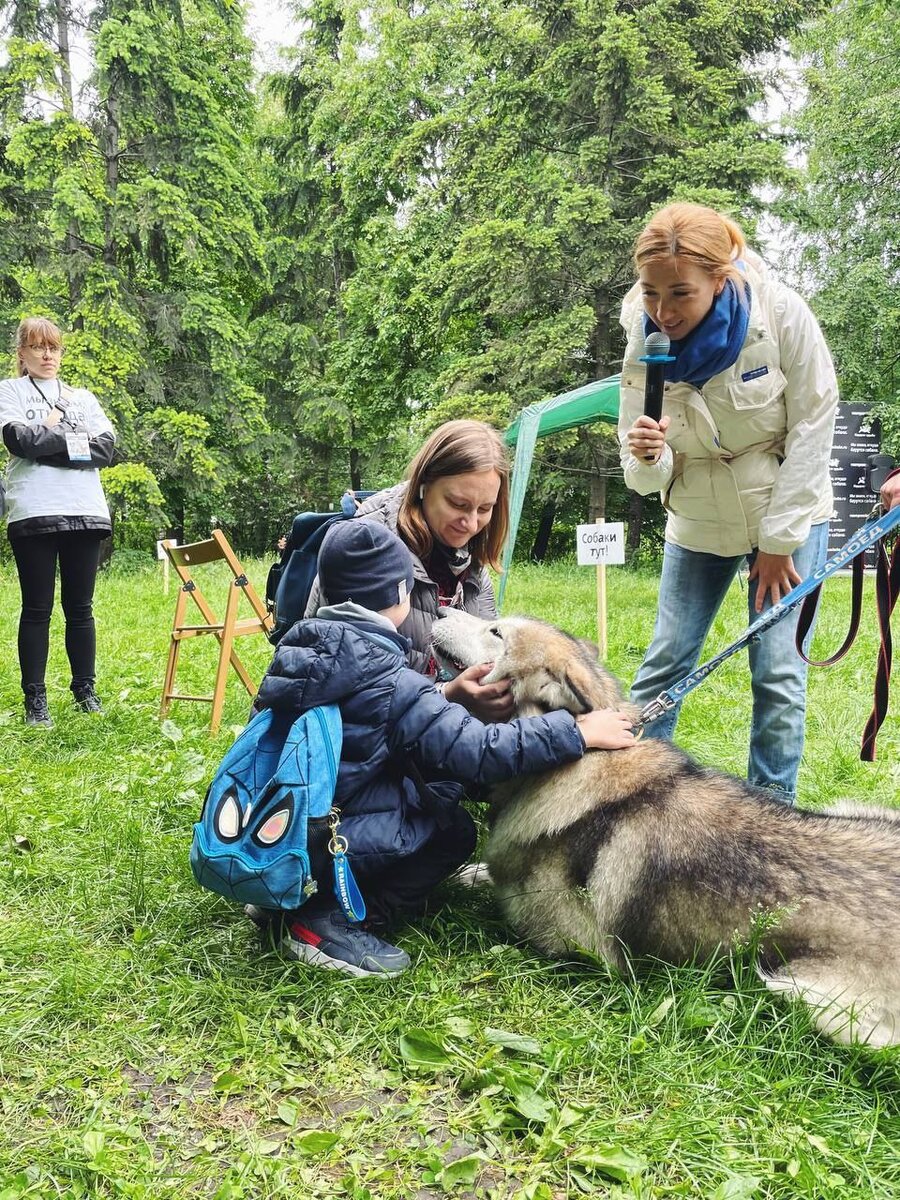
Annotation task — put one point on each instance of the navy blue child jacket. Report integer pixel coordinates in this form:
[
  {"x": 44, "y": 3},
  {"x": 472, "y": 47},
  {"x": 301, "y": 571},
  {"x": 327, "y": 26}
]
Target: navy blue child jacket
[{"x": 392, "y": 715}]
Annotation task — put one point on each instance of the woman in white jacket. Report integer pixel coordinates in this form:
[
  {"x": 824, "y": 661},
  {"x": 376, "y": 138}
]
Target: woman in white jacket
[
  {"x": 58, "y": 437},
  {"x": 740, "y": 457}
]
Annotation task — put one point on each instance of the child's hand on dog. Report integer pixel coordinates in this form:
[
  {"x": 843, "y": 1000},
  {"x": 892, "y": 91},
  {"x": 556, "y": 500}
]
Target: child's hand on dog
[
  {"x": 606, "y": 729},
  {"x": 489, "y": 702}
]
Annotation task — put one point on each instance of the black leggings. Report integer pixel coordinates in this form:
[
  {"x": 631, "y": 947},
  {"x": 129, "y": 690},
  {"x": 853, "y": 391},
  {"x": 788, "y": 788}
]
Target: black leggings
[{"x": 36, "y": 556}]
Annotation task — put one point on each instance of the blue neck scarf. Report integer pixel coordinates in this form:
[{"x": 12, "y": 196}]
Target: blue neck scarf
[{"x": 715, "y": 343}]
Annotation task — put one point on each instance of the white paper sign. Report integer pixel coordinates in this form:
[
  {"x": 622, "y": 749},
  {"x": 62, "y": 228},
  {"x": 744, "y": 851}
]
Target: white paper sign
[
  {"x": 598, "y": 544},
  {"x": 161, "y": 551}
]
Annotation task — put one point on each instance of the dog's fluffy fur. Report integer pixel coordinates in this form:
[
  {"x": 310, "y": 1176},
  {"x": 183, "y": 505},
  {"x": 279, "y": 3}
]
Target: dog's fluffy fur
[{"x": 643, "y": 851}]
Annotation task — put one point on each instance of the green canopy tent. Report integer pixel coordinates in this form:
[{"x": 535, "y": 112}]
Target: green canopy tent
[{"x": 598, "y": 401}]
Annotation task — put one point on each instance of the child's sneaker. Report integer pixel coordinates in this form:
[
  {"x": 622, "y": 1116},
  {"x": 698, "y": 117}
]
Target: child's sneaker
[{"x": 329, "y": 940}]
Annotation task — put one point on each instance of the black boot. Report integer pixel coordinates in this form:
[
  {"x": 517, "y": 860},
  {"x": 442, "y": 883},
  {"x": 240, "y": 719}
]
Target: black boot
[
  {"x": 36, "y": 710},
  {"x": 85, "y": 697}
]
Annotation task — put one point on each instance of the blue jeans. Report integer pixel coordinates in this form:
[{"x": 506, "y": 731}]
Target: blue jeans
[{"x": 691, "y": 590}]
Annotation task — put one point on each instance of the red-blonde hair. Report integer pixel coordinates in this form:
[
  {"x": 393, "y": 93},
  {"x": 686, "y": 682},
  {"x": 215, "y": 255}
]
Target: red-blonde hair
[
  {"x": 457, "y": 448},
  {"x": 34, "y": 331},
  {"x": 695, "y": 233}
]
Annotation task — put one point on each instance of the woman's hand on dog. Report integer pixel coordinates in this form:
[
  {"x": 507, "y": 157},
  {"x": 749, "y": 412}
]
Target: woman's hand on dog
[
  {"x": 606, "y": 729},
  {"x": 489, "y": 702}
]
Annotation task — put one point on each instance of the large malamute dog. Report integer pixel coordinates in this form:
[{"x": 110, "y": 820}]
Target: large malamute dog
[{"x": 643, "y": 851}]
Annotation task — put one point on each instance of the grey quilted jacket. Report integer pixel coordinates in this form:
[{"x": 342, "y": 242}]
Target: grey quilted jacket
[{"x": 478, "y": 591}]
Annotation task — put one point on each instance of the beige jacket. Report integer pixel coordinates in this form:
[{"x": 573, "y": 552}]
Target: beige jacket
[{"x": 746, "y": 461}]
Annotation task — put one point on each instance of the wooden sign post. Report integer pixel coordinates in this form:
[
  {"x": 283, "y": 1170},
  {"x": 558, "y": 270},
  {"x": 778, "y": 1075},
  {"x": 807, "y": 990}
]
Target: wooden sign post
[
  {"x": 164, "y": 558},
  {"x": 598, "y": 546}
]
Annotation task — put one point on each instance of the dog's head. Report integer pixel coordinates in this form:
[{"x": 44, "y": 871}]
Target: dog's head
[{"x": 547, "y": 668}]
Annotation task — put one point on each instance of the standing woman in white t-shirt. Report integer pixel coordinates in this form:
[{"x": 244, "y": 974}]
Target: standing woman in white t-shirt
[{"x": 58, "y": 437}]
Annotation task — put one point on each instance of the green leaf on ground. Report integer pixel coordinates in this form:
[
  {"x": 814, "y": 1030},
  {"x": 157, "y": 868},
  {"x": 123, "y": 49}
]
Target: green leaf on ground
[
  {"x": 516, "y": 1042},
  {"x": 614, "y": 1161},
  {"x": 423, "y": 1049}
]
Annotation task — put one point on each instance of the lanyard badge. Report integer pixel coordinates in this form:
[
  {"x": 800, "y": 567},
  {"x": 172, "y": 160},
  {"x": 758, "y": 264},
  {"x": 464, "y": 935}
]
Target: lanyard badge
[
  {"x": 77, "y": 443},
  {"x": 77, "y": 446}
]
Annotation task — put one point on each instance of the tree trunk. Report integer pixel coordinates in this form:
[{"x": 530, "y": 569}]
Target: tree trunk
[
  {"x": 65, "y": 60},
  {"x": 355, "y": 482},
  {"x": 71, "y": 243},
  {"x": 597, "y": 503},
  {"x": 545, "y": 529},
  {"x": 598, "y": 449},
  {"x": 109, "y": 145}
]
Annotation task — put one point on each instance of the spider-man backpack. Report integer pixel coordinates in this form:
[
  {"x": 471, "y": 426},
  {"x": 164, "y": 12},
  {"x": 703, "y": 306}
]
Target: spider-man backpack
[{"x": 270, "y": 800}]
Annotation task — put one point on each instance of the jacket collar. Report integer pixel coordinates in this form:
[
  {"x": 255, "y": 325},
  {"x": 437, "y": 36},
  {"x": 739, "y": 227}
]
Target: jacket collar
[{"x": 369, "y": 624}]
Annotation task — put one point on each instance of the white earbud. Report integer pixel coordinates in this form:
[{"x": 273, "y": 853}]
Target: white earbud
[{"x": 422, "y": 492}]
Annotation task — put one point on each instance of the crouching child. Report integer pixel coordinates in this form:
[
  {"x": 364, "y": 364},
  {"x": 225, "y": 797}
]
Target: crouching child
[{"x": 407, "y": 752}]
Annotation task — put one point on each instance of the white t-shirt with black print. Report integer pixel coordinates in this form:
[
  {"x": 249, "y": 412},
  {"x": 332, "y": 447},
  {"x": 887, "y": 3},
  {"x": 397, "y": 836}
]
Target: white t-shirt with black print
[{"x": 36, "y": 490}]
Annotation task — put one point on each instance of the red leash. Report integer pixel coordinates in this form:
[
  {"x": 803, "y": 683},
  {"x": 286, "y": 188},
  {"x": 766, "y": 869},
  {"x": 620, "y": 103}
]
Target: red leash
[{"x": 887, "y": 590}]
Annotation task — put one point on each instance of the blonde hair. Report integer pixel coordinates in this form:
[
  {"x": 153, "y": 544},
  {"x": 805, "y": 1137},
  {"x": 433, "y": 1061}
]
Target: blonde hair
[
  {"x": 695, "y": 233},
  {"x": 34, "y": 330},
  {"x": 457, "y": 448}
]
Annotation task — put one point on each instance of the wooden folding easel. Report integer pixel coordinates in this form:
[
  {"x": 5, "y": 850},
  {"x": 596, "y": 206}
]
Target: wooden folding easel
[{"x": 183, "y": 559}]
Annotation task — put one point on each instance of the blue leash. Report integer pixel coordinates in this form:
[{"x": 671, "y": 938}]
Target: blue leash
[{"x": 870, "y": 533}]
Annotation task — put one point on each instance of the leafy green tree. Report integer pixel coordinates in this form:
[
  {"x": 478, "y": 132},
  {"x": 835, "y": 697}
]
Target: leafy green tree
[
  {"x": 135, "y": 504},
  {"x": 325, "y": 394},
  {"x": 142, "y": 221},
  {"x": 487, "y": 168},
  {"x": 428, "y": 214},
  {"x": 849, "y": 210}
]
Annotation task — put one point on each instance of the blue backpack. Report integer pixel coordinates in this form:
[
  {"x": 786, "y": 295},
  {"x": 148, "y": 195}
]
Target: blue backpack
[
  {"x": 290, "y": 581},
  {"x": 270, "y": 797}
]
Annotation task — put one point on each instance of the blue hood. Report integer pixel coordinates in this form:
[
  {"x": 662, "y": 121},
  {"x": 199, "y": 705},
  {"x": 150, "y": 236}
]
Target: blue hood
[{"x": 327, "y": 662}]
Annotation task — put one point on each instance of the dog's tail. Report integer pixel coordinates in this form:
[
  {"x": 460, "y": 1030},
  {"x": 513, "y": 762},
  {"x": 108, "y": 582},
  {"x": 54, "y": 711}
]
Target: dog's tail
[{"x": 850, "y": 1002}]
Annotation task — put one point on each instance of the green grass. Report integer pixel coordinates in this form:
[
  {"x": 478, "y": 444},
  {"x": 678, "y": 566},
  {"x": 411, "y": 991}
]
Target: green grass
[{"x": 150, "y": 1047}]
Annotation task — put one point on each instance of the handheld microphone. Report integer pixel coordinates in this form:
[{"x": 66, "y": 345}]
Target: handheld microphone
[{"x": 656, "y": 355}]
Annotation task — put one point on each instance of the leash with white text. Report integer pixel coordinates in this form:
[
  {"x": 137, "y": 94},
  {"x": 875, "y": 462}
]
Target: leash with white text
[{"x": 869, "y": 535}]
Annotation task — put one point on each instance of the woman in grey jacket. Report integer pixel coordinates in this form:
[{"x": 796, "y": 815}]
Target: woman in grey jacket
[
  {"x": 740, "y": 457},
  {"x": 452, "y": 512},
  {"x": 58, "y": 438}
]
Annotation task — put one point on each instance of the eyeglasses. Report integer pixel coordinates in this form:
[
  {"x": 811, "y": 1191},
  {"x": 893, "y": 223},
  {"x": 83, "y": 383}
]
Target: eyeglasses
[{"x": 43, "y": 348}]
